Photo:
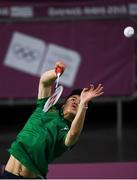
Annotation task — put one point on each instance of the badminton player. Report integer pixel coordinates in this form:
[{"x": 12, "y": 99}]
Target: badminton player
[{"x": 47, "y": 135}]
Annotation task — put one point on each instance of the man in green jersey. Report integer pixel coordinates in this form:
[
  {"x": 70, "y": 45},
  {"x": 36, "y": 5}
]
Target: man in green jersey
[{"x": 47, "y": 135}]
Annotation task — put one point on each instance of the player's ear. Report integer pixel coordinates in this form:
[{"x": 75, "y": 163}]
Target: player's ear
[{"x": 63, "y": 106}]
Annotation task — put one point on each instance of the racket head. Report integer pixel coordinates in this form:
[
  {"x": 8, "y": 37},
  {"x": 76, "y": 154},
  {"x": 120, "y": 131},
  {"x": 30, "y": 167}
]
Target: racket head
[{"x": 53, "y": 99}]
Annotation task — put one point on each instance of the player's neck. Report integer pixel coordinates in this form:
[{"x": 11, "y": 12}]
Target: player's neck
[{"x": 69, "y": 116}]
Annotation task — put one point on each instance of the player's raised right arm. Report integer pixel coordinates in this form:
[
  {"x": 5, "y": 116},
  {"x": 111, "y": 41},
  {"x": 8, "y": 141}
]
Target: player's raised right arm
[{"x": 47, "y": 79}]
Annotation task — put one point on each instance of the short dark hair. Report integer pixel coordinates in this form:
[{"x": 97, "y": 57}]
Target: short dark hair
[{"x": 74, "y": 92}]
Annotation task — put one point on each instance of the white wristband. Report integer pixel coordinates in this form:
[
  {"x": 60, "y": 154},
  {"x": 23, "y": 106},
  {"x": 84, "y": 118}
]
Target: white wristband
[{"x": 84, "y": 106}]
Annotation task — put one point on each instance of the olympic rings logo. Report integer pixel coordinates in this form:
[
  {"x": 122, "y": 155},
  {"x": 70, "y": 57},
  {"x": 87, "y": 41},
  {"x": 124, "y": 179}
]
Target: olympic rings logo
[{"x": 25, "y": 52}]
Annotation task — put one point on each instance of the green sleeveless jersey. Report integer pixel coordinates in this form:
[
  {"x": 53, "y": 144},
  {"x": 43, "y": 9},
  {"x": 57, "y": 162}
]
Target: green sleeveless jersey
[{"x": 41, "y": 140}]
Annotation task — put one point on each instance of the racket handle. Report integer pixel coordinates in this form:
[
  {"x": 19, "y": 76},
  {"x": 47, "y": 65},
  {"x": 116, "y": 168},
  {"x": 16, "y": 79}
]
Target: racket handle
[{"x": 58, "y": 70}]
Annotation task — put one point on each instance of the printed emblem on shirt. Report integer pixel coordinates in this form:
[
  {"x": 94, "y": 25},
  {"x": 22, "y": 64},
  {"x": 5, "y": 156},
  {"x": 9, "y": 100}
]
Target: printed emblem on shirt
[{"x": 65, "y": 129}]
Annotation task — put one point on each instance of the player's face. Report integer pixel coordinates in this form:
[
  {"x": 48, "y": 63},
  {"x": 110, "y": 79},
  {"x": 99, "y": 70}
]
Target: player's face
[{"x": 71, "y": 107}]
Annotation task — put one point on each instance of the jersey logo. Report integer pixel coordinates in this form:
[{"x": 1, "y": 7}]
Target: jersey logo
[{"x": 65, "y": 129}]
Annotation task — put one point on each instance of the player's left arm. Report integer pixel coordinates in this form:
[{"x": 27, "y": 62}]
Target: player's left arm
[{"x": 78, "y": 122}]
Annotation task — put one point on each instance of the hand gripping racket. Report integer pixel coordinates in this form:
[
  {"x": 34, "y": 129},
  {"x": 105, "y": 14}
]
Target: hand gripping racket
[
  {"x": 58, "y": 71},
  {"x": 52, "y": 100}
]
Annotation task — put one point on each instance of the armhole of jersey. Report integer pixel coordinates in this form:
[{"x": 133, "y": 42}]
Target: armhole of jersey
[{"x": 42, "y": 101}]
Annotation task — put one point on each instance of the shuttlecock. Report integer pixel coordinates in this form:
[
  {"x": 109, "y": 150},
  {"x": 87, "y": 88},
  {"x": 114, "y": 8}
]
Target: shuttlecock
[{"x": 129, "y": 31}]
